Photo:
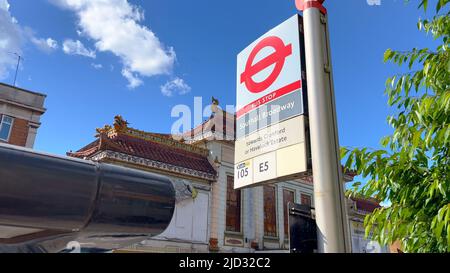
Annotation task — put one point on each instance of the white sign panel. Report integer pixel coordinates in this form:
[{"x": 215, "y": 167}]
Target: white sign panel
[{"x": 271, "y": 107}]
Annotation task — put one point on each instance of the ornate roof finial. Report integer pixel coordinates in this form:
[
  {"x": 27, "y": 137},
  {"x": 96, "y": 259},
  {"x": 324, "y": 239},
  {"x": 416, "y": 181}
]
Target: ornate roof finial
[
  {"x": 105, "y": 130},
  {"x": 215, "y": 105},
  {"x": 120, "y": 124}
]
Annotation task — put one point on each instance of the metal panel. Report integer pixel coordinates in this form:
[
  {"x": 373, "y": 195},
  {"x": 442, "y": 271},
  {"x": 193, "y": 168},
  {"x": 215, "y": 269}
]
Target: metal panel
[
  {"x": 132, "y": 201},
  {"x": 105, "y": 206},
  {"x": 45, "y": 192},
  {"x": 303, "y": 229}
]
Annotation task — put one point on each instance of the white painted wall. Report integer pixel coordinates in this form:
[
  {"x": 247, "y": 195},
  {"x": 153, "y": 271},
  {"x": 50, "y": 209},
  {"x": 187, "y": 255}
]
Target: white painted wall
[
  {"x": 190, "y": 220},
  {"x": 200, "y": 218}
]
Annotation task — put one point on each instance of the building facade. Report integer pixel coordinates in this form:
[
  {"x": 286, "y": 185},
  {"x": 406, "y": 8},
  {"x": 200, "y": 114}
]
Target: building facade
[
  {"x": 20, "y": 114},
  {"x": 358, "y": 209},
  {"x": 188, "y": 166},
  {"x": 212, "y": 216}
]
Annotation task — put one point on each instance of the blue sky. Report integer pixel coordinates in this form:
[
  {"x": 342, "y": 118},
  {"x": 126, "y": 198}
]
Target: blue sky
[{"x": 88, "y": 59}]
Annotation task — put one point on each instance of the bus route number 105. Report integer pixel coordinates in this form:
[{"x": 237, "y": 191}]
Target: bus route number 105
[{"x": 243, "y": 171}]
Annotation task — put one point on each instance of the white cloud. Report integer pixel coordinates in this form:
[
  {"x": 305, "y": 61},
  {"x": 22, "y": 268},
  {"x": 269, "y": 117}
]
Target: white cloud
[
  {"x": 11, "y": 38},
  {"x": 115, "y": 27},
  {"x": 133, "y": 80},
  {"x": 97, "y": 66},
  {"x": 374, "y": 2},
  {"x": 176, "y": 86},
  {"x": 4, "y": 5},
  {"x": 72, "y": 47},
  {"x": 47, "y": 45}
]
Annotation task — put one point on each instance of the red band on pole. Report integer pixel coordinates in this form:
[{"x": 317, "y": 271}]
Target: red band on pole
[{"x": 303, "y": 5}]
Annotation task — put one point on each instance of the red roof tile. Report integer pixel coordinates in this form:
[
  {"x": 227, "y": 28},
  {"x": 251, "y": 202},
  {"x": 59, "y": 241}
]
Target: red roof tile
[
  {"x": 155, "y": 151},
  {"x": 366, "y": 204}
]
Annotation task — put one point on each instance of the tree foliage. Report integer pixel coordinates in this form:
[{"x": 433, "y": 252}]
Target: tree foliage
[{"x": 412, "y": 171}]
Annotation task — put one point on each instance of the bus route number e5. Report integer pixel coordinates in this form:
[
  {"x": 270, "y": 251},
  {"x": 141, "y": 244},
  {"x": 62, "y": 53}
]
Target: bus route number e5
[{"x": 264, "y": 167}]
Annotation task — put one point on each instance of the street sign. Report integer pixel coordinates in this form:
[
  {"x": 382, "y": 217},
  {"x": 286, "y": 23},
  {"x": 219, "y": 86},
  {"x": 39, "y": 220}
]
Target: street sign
[{"x": 271, "y": 133}]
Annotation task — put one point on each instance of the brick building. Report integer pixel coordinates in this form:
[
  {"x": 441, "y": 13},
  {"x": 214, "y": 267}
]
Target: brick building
[
  {"x": 20, "y": 113},
  {"x": 216, "y": 218}
]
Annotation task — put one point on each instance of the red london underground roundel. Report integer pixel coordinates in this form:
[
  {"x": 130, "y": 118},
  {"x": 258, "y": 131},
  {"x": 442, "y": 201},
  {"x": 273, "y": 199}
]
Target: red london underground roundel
[{"x": 278, "y": 58}]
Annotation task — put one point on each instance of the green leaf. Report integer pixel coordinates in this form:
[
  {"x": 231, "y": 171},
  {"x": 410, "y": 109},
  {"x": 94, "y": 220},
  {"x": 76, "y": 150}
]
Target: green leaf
[
  {"x": 416, "y": 139},
  {"x": 441, "y": 213},
  {"x": 424, "y": 4},
  {"x": 388, "y": 55},
  {"x": 412, "y": 60},
  {"x": 367, "y": 231},
  {"x": 349, "y": 162},
  {"x": 438, "y": 230},
  {"x": 393, "y": 80},
  {"x": 440, "y": 4},
  {"x": 413, "y": 167},
  {"x": 448, "y": 236},
  {"x": 385, "y": 141},
  {"x": 358, "y": 161},
  {"x": 344, "y": 152}
]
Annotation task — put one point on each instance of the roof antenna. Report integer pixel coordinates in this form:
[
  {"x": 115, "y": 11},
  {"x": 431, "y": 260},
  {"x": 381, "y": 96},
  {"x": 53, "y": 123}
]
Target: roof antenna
[{"x": 19, "y": 58}]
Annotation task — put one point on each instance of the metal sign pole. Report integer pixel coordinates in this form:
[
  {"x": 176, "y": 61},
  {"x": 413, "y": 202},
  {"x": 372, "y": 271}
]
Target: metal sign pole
[{"x": 329, "y": 195}]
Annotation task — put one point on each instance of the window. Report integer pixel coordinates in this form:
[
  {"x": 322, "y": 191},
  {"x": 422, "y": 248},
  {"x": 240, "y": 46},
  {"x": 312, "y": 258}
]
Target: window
[
  {"x": 270, "y": 211},
  {"x": 306, "y": 200},
  {"x": 233, "y": 213},
  {"x": 288, "y": 197},
  {"x": 5, "y": 127}
]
